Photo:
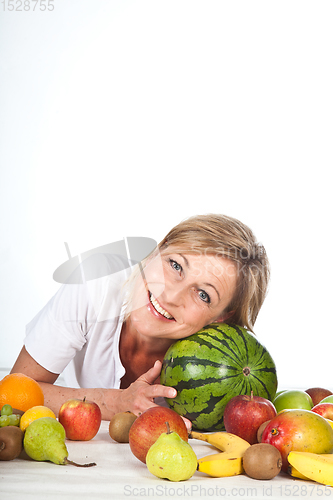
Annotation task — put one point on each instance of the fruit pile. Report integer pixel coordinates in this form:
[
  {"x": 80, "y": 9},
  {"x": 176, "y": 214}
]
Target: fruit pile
[
  {"x": 255, "y": 430},
  {"x": 258, "y": 441},
  {"x": 35, "y": 428}
]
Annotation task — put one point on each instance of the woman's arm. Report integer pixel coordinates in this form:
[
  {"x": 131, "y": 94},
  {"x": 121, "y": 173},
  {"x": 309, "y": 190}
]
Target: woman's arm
[{"x": 137, "y": 398}]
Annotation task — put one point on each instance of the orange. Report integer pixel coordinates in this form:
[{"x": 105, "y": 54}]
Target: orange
[
  {"x": 34, "y": 413},
  {"x": 20, "y": 391}
]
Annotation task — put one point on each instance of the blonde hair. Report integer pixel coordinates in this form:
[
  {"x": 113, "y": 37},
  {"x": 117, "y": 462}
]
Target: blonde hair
[{"x": 229, "y": 238}]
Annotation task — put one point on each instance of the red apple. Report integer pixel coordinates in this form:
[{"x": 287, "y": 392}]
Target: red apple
[
  {"x": 80, "y": 418},
  {"x": 298, "y": 430},
  {"x": 317, "y": 394},
  {"x": 150, "y": 425},
  {"x": 324, "y": 409},
  {"x": 243, "y": 415}
]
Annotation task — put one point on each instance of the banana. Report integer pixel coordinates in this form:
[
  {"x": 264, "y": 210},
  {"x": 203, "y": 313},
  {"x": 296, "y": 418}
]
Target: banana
[
  {"x": 224, "y": 467},
  {"x": 296, "y": 473},
  {"x": 315, "y": 467},
  {"x": 227, "y": 463},
  {"x": 224, "y": 441}
]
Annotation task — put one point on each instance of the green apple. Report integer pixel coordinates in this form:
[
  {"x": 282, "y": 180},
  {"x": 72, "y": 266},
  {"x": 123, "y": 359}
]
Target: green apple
[
  {"x": 328, "y": 399},
  {"x": 293, "y": 399},
  {"x": 279, "y": 392}
]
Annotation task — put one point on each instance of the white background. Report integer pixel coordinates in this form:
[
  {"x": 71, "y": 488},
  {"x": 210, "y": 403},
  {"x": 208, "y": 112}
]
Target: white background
[{"x": 121, "y": 118}]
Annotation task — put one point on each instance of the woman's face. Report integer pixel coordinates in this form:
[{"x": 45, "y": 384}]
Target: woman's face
[{"x": 181, "y": 293}]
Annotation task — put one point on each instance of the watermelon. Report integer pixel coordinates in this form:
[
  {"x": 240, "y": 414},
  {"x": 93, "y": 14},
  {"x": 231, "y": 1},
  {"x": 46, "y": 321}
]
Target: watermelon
[{"x": 212, "y": 366}]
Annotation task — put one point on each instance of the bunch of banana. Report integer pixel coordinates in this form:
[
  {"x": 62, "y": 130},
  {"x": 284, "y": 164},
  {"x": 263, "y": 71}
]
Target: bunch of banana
[
  {"x": 227, "y": 463},
  {"x": 306, "y": 465}
]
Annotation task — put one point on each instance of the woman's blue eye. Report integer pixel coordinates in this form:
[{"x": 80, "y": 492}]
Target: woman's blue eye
[
  {"x": 175, "y": 265},
  {"x": 204, "y": 296}
]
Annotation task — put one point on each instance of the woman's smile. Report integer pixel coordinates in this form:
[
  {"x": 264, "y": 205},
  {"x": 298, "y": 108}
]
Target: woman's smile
[{"x": 157, "y": 308}]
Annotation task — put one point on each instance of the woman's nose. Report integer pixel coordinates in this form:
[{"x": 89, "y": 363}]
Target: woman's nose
[{"x": 173, "y": 295}]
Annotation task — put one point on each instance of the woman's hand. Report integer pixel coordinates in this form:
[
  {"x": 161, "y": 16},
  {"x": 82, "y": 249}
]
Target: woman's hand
[{"x": 139, "y": 396}]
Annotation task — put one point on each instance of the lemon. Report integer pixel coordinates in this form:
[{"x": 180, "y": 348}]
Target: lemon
[{"x": 34, "y": 413}]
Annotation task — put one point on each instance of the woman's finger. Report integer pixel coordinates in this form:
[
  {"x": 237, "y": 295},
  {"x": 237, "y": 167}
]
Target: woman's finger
[{"x": 159, "y": 391}]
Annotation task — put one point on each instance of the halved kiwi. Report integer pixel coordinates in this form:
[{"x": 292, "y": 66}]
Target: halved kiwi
[{"x": 261, "y": 430}]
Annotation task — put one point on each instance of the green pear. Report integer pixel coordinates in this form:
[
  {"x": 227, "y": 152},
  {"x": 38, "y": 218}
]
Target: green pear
[
  {"x": 170, "y": 457},
  {"x": 44, "y": 440}
]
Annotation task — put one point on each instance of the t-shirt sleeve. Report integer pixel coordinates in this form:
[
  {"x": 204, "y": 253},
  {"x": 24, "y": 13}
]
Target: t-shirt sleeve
[{"x": 60, "y": 329}]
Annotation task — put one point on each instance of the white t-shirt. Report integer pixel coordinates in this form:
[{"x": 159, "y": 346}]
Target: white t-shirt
[{"x": 77, "y": 333}]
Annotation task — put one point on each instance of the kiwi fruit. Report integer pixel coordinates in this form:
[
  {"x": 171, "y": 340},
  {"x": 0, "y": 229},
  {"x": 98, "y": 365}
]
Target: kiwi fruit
[
  {"x": 262, "y": 461},
  {"x": 261, "y": 430},
  {"x": 11, "y": 442},
  {"x": 120, "y": 425}
]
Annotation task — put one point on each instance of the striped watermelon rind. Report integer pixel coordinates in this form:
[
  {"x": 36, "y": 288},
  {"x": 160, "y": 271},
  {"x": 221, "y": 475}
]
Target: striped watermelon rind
[{"x": 212, "y": 366}]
